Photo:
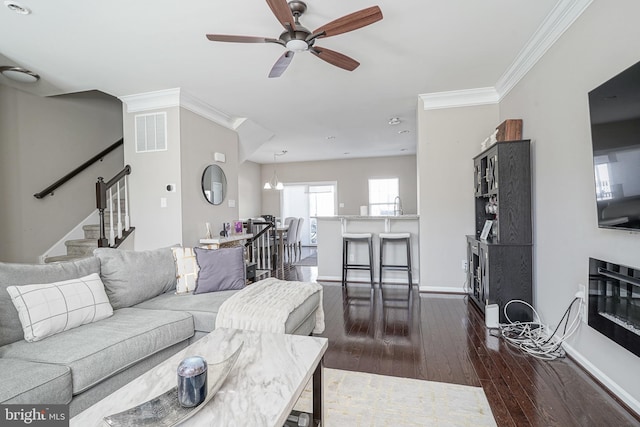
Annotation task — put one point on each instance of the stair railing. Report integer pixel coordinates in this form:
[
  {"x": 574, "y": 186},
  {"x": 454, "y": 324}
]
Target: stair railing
[
  {"x": 109, "y": 196},
  {"x": 50, "y": 189},
  {"x": 260, "y": 246}
]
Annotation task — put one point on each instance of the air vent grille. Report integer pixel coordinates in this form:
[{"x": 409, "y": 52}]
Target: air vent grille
[{"x": 151, "y": 132}]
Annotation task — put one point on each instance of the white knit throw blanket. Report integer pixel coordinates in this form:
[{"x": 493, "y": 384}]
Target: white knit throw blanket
[{"x": 265, "y": 306}]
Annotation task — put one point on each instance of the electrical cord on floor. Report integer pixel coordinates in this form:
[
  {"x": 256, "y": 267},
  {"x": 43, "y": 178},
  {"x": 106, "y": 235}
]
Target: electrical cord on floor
[{"x": 534, "y": 338}]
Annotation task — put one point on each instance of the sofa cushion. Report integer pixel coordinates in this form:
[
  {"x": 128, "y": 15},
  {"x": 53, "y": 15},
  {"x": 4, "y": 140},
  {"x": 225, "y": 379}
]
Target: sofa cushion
[
  {"x": 220, "y": 269},
  {"x": 25, "y": 382},
  {"x": 25, "y": 274},
  {"x": 47, "y": 309},
  {"x": 203, "y": 307},
  {"x": 131, "y": 277},
  {"x": 96, "y": 351}
]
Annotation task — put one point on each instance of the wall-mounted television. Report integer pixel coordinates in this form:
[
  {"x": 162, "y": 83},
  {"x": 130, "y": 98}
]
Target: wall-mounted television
[{"x": 614, "y": 109}]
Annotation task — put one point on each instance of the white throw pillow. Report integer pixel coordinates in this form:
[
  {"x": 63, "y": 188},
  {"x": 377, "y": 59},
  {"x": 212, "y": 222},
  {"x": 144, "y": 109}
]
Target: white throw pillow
[
  {"x": 46, "y": 309},
  {"x": 186, "y": 270}
]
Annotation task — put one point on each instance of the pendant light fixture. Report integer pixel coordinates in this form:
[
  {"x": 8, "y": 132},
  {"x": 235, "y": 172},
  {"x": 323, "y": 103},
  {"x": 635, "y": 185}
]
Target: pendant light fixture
[{"x": 274, "y": 183}]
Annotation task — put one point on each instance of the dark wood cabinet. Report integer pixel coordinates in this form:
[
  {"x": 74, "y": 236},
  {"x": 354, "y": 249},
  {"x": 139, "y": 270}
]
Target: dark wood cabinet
[{"x": 500, "y": 266}]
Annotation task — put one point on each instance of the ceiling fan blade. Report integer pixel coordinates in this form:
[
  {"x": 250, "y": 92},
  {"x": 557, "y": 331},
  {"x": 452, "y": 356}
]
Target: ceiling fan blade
[
  {"x": 350, "y": 22},
  {"x": 280, "y": 9},
  {"x": 240, "y": 39},
  {"x": 281, "y": 64},
  {"x": 335, "y": 58}
]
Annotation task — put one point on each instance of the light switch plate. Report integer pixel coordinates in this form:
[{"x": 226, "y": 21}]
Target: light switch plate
[{"x": 232, "y": 203}]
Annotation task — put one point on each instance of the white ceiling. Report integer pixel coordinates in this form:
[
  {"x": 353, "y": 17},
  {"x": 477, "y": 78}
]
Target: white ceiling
[{"x": 421, "y": 46}]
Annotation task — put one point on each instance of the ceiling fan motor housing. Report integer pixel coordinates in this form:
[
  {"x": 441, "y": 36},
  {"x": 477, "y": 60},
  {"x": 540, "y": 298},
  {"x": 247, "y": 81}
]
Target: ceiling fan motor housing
[{"x": 296, "y": 40}]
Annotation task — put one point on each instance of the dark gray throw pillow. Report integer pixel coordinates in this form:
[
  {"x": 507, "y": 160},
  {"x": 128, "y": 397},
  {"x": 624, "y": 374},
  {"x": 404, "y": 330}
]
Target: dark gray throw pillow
[{"x": 220, "y": 269}]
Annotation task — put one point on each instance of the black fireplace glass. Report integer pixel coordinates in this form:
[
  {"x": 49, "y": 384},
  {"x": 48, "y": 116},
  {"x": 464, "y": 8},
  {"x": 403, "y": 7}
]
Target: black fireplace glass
[{"x": 614, "y": 302}]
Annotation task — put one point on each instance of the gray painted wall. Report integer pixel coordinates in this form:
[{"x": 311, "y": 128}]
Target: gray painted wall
[
  {"x": 249, "y": 190},
  {"x": 448, "y": 140},
  {"x": 552, "y": 101},
  {"x": 41, "y": 140},
  {"x": 199, "y": 140},
  {"x": 150, "y": 173},
  {"x": 352, "y": 176}
]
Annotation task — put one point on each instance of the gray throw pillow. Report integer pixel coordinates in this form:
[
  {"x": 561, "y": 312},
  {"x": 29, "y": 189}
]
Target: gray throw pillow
[
  {"x": 220, "y": 269},
  {"x": 131, "y": 277}
]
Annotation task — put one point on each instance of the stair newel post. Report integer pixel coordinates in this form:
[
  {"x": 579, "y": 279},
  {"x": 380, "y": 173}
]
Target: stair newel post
[
  {"x": 112, "y": 234},
  {"x": 101, "y": 204},
  {"x": 126, "y": 203},
  {"x": 119, "y": 210}
]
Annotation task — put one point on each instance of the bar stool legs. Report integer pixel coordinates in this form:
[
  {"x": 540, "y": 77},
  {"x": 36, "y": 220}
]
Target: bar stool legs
[
  {"x": 396, "y": 237},
  {"x": 352, "y": 238}
]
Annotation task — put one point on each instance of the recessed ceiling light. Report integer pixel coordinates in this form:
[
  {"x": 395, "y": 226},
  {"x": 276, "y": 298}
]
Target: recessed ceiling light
[
  {"x": 331, "y": 137},
  {"x": 346, "y": 153},
  {"x": 394, "y": 121},
  {"x": 403, "y": 149},
  {"x": 403, "y": 131},
  {"x": 19, "y": 74},
  {"x": 17, "y": 8}
]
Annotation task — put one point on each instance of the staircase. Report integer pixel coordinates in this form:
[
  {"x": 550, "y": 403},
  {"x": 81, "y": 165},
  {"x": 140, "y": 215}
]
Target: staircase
[{"x": 82, "y": 248}]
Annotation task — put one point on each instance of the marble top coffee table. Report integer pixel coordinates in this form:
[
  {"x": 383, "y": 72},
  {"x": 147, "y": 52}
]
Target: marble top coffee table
[{"x": 261, "y": 389}]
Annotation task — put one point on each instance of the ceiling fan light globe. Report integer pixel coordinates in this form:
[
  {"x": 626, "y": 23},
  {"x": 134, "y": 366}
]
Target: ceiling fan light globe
[
  {"x": 267, "y": 186},
  {"x": 297, "y": 45},
  {"x": 280, "y": 186}
]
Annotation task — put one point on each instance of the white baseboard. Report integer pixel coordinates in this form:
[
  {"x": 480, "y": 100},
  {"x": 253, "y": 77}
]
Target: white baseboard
[{"x": 621, "y": 393}]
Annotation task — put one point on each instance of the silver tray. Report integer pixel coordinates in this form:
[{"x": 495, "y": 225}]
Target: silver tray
[{"x": 164, "y": 410}]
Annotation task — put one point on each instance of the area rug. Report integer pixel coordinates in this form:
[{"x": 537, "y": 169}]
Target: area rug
[
  {"x": 310, "y": 261},
  {"x": 362, "y": 399}
]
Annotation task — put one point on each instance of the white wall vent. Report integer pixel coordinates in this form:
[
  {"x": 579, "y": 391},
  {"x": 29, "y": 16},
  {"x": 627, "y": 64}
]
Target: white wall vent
[{"x": 151, "y": 132}]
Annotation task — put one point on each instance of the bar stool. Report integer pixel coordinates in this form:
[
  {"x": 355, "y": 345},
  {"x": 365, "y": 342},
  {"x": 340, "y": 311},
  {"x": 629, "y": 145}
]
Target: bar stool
[
  {"x": 396, "y": 238},
  {"x": 346, "y": 266}
]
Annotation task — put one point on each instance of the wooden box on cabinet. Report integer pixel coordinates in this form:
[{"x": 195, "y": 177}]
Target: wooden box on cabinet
[{"x": 509, "y": 130}]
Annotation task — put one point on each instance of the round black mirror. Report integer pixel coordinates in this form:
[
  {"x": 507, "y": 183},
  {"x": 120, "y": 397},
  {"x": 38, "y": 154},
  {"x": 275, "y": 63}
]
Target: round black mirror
[{"x": 214, "y": 184}]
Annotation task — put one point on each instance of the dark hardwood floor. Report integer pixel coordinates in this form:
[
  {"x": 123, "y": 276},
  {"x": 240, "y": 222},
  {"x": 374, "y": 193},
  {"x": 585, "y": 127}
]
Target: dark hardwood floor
[{"x": 440, "y": 337}]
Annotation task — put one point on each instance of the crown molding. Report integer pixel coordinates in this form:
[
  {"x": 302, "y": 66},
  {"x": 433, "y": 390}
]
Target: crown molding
[
  {"x": 460, "y": 98},
  {"x": 561, "y": 17},
  {"x": 554, "y": 25},
  {"x": 205, "y": 110},
  {"x": 177, "y": 97},
  {"x": 151, "y": 100}
]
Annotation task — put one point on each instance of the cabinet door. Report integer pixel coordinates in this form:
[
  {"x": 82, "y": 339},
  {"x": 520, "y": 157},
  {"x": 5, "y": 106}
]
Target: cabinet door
[
  {"x": 492, "y": 172},
  {"x": 483, "y": 259},
  {"x": 477, "y": 177},
  {"x": 472, "y": 268}
]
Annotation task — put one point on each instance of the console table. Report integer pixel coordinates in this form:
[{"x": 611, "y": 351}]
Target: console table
[{"x": 225, "y": 242}]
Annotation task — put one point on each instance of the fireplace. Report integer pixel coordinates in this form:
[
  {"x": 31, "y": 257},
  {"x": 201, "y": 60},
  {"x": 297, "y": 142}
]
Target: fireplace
[{"x": 614, "y": 302}]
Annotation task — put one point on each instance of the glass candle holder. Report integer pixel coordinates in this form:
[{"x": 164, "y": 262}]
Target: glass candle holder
[{"x": 192, "y": 381}]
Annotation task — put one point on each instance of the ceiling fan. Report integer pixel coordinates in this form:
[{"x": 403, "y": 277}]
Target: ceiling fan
[{"x": 297, "y": 38}]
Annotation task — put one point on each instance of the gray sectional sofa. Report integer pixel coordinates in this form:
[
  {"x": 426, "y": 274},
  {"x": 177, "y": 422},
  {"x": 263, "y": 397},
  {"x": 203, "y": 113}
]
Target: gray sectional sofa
[{"x": 149, "y": 323}]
